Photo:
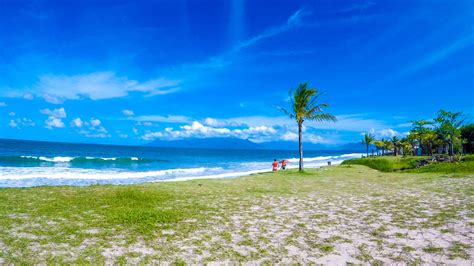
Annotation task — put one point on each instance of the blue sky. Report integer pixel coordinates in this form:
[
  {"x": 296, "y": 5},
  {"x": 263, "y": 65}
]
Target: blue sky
[{"x": 129, "y": 72}]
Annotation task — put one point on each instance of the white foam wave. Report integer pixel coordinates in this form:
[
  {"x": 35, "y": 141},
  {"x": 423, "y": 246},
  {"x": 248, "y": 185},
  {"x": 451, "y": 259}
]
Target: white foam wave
[
  {"x": 34, "y": 176},
  {"x": 7, "y": 173},
  {"x": 65, "y": 159},
  {"x": 245, "y": 173}
]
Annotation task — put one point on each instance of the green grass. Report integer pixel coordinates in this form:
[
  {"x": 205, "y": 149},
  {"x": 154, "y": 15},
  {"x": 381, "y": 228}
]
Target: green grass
[
  {"x": 447, "y": 168},
  {"x": 386, "y": 163},
  {"x": 106, "y": 215},
  {"x": 432, "y": 249},
  {"x": 408, "y": 164}
]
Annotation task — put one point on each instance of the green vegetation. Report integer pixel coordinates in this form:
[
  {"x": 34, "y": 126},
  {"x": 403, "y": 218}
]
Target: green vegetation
[
  {"x": 241, "y": 219},
  {"x": 368, "y": 139},
  {"x": 304, "y": 106},
  {"x": 385, "y": 164},
  {"x": 446, "y": 134},
  {"x": 392, "y": 163}
]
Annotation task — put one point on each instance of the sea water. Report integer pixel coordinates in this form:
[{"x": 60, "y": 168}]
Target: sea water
[{"x": 32, "y": 163}]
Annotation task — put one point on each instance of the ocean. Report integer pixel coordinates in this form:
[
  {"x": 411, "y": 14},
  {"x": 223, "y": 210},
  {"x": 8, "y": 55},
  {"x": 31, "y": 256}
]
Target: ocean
[{"x": 33, "y": 163}]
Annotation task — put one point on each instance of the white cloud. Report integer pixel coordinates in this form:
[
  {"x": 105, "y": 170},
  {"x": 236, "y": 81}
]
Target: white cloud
[
  {"x": 123, "y": 136},
  {"x": 354, "y": 123},
  {"x": 405, "y": 125},
  {"x": 163, "y": 119},
  {"x": 28, "y": 96},
  {"x": 98, "y": 85},
  {"x": 52, "y": 122},
  {"x": 387, "y": 132},
  {"x": 289, "y": 136},
  {"x": 52, "y": 99},
  {"x": 254, "y": 133},
  {"x": 436, "y": 56},
  {"x": 94, "y": 131},
  {"x": 13, "y": 124},
  {"x": 135, "y": 131},
  {"x": 77, "y": 122},
  {"x": 293, "y": 21},
  {"x": 307, "y": 137},
  {"x": 54, "y": 117},
  {"x": 213, "y": 122},
  {"x": 128, "y": 112},
  {"x": 11, "y": 114},
  {"x": 91, "y": 129},
  {"x": 265, "y": 128},
  {"x": 358, "y": 7},
  {"x": 94, "y": 134},
  {"x": 58, "y": 113},
  {"x": 2, "y": 104},
  {"x": 95, "y": 122},
  {"x": 21, "y": 122}
]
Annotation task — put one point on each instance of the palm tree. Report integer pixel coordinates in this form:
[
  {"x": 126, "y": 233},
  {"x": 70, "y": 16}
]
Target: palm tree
[
  {"x": 396, "y": 143},
  {"x": 379, "y": 144},
  {"x": 304, "y": 106},
  {"x": 387, "y": 144},
  {"x": 368, "y": 139},
  {"x": 406, "y": 147}
]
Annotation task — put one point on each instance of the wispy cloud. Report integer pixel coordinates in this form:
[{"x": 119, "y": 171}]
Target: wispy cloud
[
  {"x": 358, "y": 7},
  {"x": 128, "y": 112},
  {"x": 163, "y": 119},
  {"x": 96, "y": 86},
  {"x": 355, "y": 123},
  {"x": 222, "y": 60},
  {"x": 293, "y": 21},
  {"x": 438, "y": 55}
]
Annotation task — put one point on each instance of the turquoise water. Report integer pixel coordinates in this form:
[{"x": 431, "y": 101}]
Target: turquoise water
[{"x": 31, "y": 163}]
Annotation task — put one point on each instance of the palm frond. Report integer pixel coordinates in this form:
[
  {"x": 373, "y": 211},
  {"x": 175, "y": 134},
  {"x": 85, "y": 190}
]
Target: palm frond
[
  {"x": 286, "y": 112},
  {"x": 322, "y": 117}
]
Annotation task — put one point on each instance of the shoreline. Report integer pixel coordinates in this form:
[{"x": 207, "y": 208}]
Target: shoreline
[{"x": 64, "y": 176}]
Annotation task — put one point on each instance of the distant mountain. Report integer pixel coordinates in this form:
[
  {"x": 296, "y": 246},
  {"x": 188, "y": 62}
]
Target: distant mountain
[
  {"x": 291, "y": 145},
  {"x": 207, "y": 143},
  {"x": 355, "y": 147},
  {"x": 245, "y": 144}
]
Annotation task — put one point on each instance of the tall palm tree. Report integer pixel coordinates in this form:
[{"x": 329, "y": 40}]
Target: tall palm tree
[
  {"x": 367, "y": 140},
  {"x": 396, "y": 143},
  {"x": 406, "y": 147},
  {"x": 304, "y": 106},
  {"x": 388, "y": 144},
  {"x": 379, "y": 144}
]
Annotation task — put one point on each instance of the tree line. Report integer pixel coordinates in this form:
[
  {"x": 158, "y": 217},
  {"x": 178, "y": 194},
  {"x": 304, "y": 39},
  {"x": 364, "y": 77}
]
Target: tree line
[{"x": 446, "y": 134}]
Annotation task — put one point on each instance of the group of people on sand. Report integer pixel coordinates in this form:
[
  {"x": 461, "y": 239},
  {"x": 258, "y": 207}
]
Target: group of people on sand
[{"x": 276, "y": 164}]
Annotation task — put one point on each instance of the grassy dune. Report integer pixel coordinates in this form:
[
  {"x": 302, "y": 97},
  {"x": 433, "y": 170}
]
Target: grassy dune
[
  {"x": 408, "y": 164},
  {"x": 347, "y": 213}
]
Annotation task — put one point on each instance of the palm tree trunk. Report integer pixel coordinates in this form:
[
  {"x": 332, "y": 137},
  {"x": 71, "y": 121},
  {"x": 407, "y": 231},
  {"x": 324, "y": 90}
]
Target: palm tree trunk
[
  {"x": 367, "y": 145},
  {"x": 300, "y": 142}
]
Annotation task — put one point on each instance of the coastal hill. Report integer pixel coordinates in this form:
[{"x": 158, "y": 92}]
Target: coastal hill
[
  {"x": 235, "y": 143},
  {"x": 206, "y": 143}
]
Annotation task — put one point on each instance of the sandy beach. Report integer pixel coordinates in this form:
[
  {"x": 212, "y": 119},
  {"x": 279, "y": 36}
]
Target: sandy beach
[{"x": 336, "y": 215}]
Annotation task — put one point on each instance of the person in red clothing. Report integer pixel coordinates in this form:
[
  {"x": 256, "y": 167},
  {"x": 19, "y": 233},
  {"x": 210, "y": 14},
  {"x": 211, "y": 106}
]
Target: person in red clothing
[{"x": 275, "y": 165}]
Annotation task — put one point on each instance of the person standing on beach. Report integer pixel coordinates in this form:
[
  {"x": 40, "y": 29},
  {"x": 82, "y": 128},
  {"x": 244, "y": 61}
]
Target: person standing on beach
[{"x": 275, "y": 165}]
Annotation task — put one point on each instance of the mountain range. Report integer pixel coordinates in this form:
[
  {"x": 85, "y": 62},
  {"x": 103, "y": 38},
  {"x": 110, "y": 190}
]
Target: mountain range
[{"x": 245, "y": 144}]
